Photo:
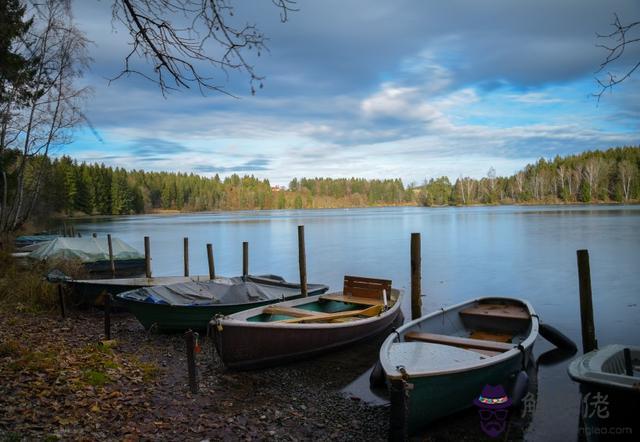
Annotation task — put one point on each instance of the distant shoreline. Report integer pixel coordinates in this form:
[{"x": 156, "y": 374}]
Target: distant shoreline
[{"x": 172, "y": 212}]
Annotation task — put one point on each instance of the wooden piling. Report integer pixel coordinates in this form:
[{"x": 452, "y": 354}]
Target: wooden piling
[
  {"x": 191, "y": 361},
  {"x": 212, "y": 267},
  {"x": 589, "y": 341},
  {"x": 302, "y": 261},
  {"x": 245, "y": 258},
  {"x": 628, "y": 362},
  {"x": 63, "y": 309},
  {"x": 399, "y": 411},
  {"x": 147, "y": 256},
  {"x": 186, "y": 256},
  {"x": 107, "y": 317},
  {"x": 416, "y": 277},
  {"x": 111, "y": 260}
]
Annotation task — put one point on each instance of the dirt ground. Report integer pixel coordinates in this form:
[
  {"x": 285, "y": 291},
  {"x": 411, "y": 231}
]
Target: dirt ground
[{"x": 59, "y": 382}]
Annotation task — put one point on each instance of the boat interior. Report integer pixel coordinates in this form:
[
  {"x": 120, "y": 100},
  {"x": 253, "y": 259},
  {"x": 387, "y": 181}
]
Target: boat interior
[
  {"x": 624, "y": 362},
  {"x": 461, "y": 336},
  {"x": 360, "y": 298},
  {"x": 488, "y": 327}
]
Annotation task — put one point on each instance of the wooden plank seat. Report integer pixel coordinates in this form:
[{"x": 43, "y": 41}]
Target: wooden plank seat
[
  {"x": 289, "y": 311},
  {"x": 496, "y": 311},
  {"x": 328, "y": 317},
  {"x": 351, "y": 299},
  {"x": 456, "y": 341}
]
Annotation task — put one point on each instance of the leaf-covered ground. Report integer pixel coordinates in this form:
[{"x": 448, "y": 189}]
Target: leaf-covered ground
[{"x": 60, "y": 382}]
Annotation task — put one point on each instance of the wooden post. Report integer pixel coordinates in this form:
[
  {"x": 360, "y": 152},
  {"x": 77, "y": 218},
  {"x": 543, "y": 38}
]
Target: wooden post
[
  {"x": 191, "y": 360},
  {"x": 147, "y": 257},
  {"x": 111, "y": 260},
  {"x": 63, "y": 309},
  {"x": 628, "y": 362},
  {"x": 589, "y": 341},
  {"x": 302, "y": 261},
  {"x": 399, "y": 411},
  {"x": 107, "y": 317},
  {"x": 245, "y": 258},
  {"x": 186, "y": 256},
  {"x": 416, "y": 277},
  {"x": 212, "y": 267}
]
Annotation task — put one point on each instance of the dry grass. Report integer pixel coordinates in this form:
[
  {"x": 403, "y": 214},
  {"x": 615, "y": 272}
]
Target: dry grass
[{"x": 23, "y": 287}]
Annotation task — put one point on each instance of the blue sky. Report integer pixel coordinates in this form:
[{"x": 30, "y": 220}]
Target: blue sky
[{"x": 376, "y": 89}]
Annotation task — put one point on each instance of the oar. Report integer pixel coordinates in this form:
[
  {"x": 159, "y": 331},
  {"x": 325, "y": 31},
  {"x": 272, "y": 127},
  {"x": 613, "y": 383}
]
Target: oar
[
  {"x": 519, "y": 388},
  {"x": 377, "y": 377},
  {"x": 557, "y": 338}
]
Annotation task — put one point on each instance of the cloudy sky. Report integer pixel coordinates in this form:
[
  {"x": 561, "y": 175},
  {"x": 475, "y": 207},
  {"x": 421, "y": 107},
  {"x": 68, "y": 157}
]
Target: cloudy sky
[{"x": 409, "y": 88}]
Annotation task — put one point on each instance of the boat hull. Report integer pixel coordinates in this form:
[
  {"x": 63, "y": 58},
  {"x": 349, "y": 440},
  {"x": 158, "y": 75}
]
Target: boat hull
[
  {"x": 178, "y": 318},
  {"x": 454, "y": 392}
]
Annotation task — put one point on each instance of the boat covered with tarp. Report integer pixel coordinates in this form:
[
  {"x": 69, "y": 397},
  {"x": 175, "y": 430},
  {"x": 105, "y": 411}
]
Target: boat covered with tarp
[
  {"x": 29, "y": 240},
  {"x": 191, "y": 305},
  {"x": 93, "y": 254}
]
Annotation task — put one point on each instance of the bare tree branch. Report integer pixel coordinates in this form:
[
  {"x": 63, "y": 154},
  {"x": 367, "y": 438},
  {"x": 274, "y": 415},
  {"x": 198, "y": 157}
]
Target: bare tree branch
[
  {"x": 185, "y": 39},
  {"x": 621, "y": 38}
]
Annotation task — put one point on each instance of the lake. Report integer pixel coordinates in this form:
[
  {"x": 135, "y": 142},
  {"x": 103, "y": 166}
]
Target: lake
[{"x": 527, "y": 252}]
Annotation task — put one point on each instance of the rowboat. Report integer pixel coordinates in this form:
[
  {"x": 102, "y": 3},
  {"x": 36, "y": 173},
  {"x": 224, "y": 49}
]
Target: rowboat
[
  {"x": 305, "y": 327},
  {"x": 443, "y": 360},
  {"x": 609, "y": 380},
  {"x": 90, "y": 290},
  {"x": 93, "y": 254},
  {"x": 191, "y": 305}
]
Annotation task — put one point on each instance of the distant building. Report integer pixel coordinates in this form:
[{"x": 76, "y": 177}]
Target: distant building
[{"x": 278, "y": 188}]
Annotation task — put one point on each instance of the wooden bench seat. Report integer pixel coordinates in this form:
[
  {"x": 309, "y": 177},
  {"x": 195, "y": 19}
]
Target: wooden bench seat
[
  {"x": 496, "y": 311},
  {"x": 456, "y": 341},
  {"x": 289, "y": 311}
]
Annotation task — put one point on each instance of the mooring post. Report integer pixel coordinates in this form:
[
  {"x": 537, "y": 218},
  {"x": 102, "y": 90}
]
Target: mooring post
[
  {"x": 416, "y": 277},
  {"x": 107, "y": 317},
  {"x": 191, "y": 360},
  {"x": 63, "y": 309},
  {"x": 245, "y": 258},
  {"x": 111, "y": 260},
  {"x": 302, "y": 261},
  {"x": 186, "y": 256},
  {"x": 399, "y": 410},
  {"x": 212, "y": 267},
  {"x": 147, "y": 257},
  {"x": 589, "y": 341}
]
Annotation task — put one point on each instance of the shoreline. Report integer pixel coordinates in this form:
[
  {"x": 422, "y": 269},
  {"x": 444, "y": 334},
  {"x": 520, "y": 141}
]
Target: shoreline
[{"x": 173, "y": 212}]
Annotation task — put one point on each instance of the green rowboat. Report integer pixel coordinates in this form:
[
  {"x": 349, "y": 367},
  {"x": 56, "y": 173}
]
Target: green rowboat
[
  {"x": 191, "y": 305},
  {"x": 443, "y": 360}
]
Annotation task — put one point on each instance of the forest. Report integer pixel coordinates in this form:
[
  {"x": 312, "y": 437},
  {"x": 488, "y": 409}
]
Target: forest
[{"x": 74, "y": 188}]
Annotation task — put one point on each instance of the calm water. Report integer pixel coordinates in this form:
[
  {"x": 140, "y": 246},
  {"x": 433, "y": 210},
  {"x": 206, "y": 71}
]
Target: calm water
[{"x": 527, "y": 252}]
